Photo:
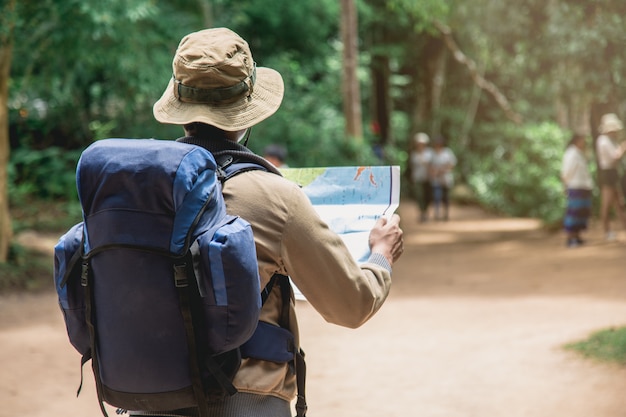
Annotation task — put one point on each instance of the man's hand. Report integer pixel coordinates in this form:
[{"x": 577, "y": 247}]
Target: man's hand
[{"x": 386, "y": 238}]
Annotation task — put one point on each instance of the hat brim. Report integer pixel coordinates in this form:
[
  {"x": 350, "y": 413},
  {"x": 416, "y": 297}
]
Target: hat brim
[
  {"x": 614, "y": 127},
  {"x": 265, "y": 99}
]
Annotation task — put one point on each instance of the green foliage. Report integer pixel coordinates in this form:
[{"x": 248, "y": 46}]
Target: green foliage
[
  {"x": 91, "y": 69},
  {"x": 301, "y": 29},
  {"x": 597, "y": 37},
  {"x": 45, "y": 174},
  {"x": 423, "y": 12},
  {"x": 301, "y": 43},
  {"x": 515, "y": 170},
  {"x": 310, "y": 123},
  {"x": 8, "y": 16},
  {"x": 25, "y": 270},
  {"x": 87, "y": 69},
  {"x": 607, "y": 345},
  {"x": 85, "y": 61},
  {"x": 45, "y": 215},
  {"x": 29, "y": 269}
]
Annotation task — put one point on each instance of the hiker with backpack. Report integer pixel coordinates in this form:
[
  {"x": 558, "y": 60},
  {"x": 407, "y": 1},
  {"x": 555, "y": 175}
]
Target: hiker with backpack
[{"x": 217, "y": 94}]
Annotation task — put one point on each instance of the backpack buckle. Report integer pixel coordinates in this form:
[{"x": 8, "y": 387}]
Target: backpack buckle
[
  {"x": 180, "y": 276},
  {"x": 84, "y": 274},
  {"x": 222, "y": 161}
]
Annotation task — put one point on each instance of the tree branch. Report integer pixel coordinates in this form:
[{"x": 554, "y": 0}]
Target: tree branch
[{"x": 478, "y": 79}]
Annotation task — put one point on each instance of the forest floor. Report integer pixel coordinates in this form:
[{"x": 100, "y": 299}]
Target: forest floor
[{"x": 475, "y": 325}]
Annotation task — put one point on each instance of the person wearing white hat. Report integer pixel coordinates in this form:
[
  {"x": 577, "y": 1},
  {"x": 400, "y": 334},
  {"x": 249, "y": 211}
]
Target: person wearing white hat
[
  {"x": 609, "y": 154},
  {"x": 420, "y": 157},
  {"x": 217, "y": 93}
]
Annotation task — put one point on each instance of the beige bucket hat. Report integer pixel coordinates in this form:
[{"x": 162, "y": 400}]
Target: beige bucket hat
[
  {"x": 421, "y": 137},
  {"x": 217, "y": 82},
  {"x": 610, "y": 123}
]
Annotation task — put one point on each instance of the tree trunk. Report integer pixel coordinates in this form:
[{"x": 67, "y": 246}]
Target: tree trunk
[
  {"x": 382, "y": 108},
  {"x": 206, "y": 7},
  {"x": 427, "y": 84},
  {"x": 437, "y": 72},
  {"x": 6, "y": 50},
  {"x": 351, "y": 92}
]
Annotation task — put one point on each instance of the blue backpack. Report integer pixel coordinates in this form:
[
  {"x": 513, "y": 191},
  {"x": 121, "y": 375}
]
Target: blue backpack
[{"x": 158, "y": 286}]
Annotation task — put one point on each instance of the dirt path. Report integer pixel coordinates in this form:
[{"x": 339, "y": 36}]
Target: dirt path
[{"x": 474, "y": 326}]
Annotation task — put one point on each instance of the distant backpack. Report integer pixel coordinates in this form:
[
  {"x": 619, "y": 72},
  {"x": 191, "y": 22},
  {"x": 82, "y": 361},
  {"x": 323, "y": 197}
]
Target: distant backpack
[{"x": 158, "y": 286}]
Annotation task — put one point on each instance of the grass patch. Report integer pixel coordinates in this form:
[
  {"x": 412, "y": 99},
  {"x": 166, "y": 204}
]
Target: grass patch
[{"x": 607, "y": 345}]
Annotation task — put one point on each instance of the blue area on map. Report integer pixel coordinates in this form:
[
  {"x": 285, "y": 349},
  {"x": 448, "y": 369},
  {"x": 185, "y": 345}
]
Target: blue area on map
[{"x": 332, "y": 187}]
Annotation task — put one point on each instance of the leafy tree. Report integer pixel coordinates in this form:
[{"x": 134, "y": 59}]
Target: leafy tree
[
  {"x": 90, "y": 69},
  {"x": 302, "y": 43},
  {"x": 93, "y": 68},
  {"x": 516, "y": 170}
]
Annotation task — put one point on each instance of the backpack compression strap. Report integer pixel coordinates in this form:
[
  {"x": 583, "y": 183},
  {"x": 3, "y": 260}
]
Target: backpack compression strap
[
  {"x": 75, "y": 266},
  {"x": 85, "y": 282},
  {"x": 183, "y": 275},
  {"x": 299, "y": 363},
  {"x": 187, "y": 272}
]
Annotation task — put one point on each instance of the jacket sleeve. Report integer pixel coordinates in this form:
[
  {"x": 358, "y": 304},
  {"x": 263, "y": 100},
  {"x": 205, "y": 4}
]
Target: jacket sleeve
[{"x": 319, "y": 263}]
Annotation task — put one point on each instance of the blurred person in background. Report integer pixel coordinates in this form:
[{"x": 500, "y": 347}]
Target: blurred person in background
[
  {"x": 578, "y": 185},
  {"x": 276, "y": 154},
  {"x": 441, "y": 177},
  {"x": 609, "y": 154},
  {"x": 420, "y": 157}
]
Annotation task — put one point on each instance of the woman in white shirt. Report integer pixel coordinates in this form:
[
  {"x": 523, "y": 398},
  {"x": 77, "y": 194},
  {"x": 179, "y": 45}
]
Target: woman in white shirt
[
  {"x": 578, "y": 184},
  {"x": 609, "y": 154}
]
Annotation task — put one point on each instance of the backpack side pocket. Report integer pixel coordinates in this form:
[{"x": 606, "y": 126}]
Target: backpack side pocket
[
  {"x": 229, "y": 284},
  {"x": 67, "y": 271}
]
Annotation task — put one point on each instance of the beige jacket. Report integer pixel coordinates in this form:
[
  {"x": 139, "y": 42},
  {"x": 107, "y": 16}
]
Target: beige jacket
[{"x": 291, "y": 239}]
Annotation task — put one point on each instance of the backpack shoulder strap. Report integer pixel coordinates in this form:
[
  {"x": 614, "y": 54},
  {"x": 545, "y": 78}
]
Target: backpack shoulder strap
[
  {"x": 229, "y": 166},
  {"x": 299, "y": 363}
]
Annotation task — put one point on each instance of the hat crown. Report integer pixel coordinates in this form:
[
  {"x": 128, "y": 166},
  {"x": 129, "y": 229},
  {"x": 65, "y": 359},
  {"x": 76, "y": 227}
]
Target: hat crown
[
  {"x": 610, "y": 123},
  {"x": 421, "y": 137},
  {"x": 212, "y": 59},
  {"x": 216, "y": 81}
]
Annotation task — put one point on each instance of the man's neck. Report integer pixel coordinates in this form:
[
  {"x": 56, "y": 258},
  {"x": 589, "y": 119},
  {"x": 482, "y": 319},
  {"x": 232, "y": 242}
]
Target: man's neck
[{"x": 221, "y": 145}]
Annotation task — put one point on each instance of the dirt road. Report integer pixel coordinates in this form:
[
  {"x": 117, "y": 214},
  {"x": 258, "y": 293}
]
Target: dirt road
[{"x": 474, "y": 326}]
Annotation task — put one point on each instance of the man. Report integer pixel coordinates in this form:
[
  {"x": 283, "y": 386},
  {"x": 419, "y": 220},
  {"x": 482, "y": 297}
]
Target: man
[{"x": 217, "y": 94}]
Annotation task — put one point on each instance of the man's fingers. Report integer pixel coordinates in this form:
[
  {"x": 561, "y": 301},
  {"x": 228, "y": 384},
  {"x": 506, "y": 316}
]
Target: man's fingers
[
  {"x": 392, "y": 221},
  {"x": 395, "y": 219}
]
